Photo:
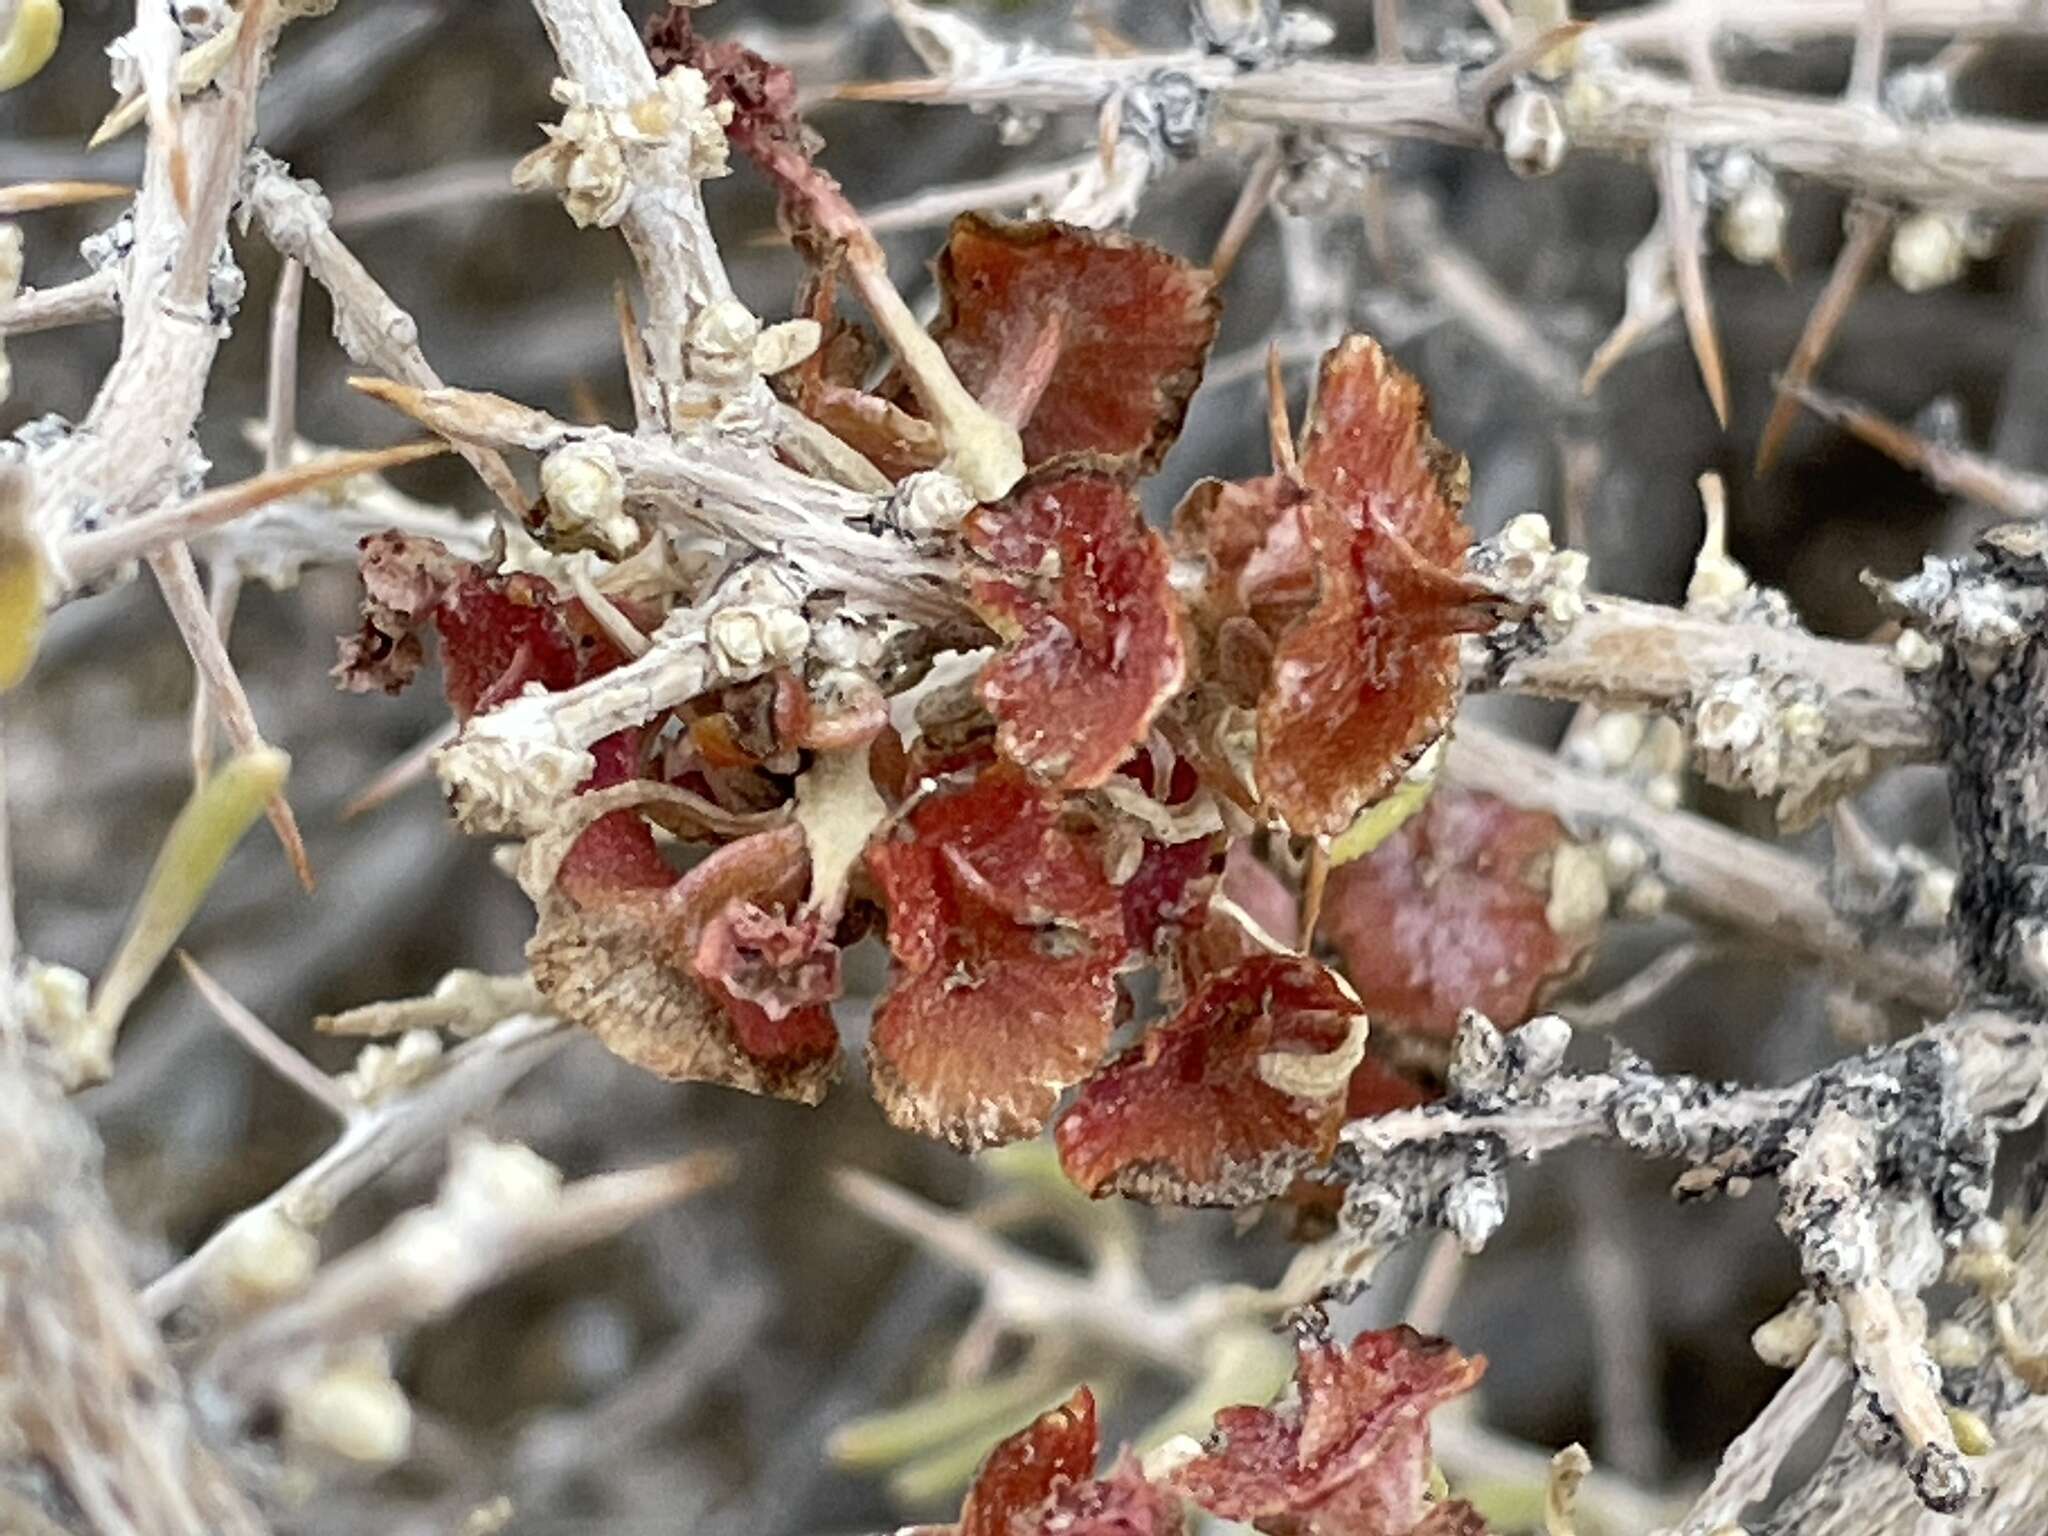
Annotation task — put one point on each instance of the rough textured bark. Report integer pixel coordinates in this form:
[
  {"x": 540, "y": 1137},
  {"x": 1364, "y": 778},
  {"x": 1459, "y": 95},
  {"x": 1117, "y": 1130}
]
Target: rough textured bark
[{"x": 95, "y": 1433}]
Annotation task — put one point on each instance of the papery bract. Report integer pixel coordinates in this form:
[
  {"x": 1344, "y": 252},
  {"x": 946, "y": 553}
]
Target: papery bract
[
  {"x": 1452, "y": 912},
  {"x": 1349, "y": 1454},
  {"x": 498, "y": 633},
  {"x": 1007, "y": 937},
  {"x": 1088, "y": 342},
  {"x": 1022, "y": 1473},
  {"x": 1337, "y": 599},
  {"x": 1078, "y": 586},
  {"x": 703, "y": 979},
  {"x": 1223, "y": 1104}
]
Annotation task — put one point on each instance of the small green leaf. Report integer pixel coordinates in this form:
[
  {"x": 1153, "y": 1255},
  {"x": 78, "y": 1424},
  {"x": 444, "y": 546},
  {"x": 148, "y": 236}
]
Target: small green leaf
[{"x": 200, "y": 840}]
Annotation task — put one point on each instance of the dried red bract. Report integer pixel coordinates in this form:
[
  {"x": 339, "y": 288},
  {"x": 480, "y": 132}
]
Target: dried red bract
[
  {"x": 1225, "y": 1103},
  {"x": 1338, "y": 600},
  {"x": 1087, "y": 342},
  {"x": 1078, "y": 586},
  {"x": 704, "y": 979},
  {"x": 1370, "y": 676},
  {"x": 1007, "y": 937},
  {"x": 498, "y": 633},
  {"x": 1221, "y": 941},
  {"x": 1122, "y": 1503},
  {"x": 1017, "y": 1478},
  {"x": 1349, "y": 1456},
  {"x": 1167, "y": 895},
  {"x": 1450, "y": 913}
]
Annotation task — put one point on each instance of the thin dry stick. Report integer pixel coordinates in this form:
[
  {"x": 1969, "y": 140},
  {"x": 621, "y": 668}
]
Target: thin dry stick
[
  {"x": 468, "y": 1081},
  {"x": 1622, "y": 652},
  {"x": 414, "y": 767},
  {"x": 1253, "y": 198},
  {"x": 85, "y": 556},
  {"x": 1868, "y": 226},
  {"x": 370, "y": 326},
  {"x": 266, "y": 1047},
  {"x": 381, "y": 1287},
  {"x": 32, "y": 196},
  {"x": 1685, "y": 229},
  {"x": 1955, "y": 470},
  {"x": 178, "y": 578},
  {"x": 1714, "y": 874},
  {"x": 78, "y": 302}
]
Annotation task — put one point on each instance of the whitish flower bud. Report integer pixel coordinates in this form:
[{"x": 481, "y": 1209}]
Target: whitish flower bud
[
  {"x": 586, "y": 497},
  {"x": 1532, "y": 135},
  {"x": 1788, "y": 1338},
  {"x": 1578, "y": 890},
  {"x": 930, "y": 502},
  {"x": 784, "y": 345},
  {"x": 1752, "y": 223},
  {"x": 1914, "y": 652},
  {"x": 1929, "y": 249},
  {"x": 382, "y": 1070},
  {"x": 354, "y": 1410},
  {"x": 265, "y": 1256},
  {"x": 486, "y": 1177}
]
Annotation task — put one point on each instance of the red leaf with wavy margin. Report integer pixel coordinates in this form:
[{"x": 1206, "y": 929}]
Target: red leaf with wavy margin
[
  {"x": 1202, "y": 1110},
  {"x": 1349, "y": 1455},
  {"x": 1007, "y": 936},
  {"x": 1079, "y": 588}
]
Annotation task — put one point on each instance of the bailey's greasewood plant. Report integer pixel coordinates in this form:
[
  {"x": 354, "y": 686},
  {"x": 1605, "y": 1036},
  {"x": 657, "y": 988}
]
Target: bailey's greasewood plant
[{"x": 859, "y": 629}]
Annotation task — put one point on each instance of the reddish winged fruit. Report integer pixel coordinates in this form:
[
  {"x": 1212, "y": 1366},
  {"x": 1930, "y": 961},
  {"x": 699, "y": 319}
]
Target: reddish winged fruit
[
  {"x": 1078, "y": 585},
  {"x": 1452, "y": 912},
  {"x": 1051, "y": 1453},
  {"x": 1333, "y": 603},
  {"x": 1087, "y": 342},
  {"x": 498, "y": 633},
  {"x": 1007, "y": 937},
  {"x": 1349, "y": 1455},
  {"x": 1369, "y": 677},
  {"x": 1225, "y": 1103},
  {"x": 700, "y": 978}
]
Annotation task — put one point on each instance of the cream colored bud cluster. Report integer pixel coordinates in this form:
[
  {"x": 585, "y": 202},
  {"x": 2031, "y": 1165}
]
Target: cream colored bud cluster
[
  {"x": 728, "y": 345},
  {"x": 588, "y": 158},
  {"x": 1760, "y": 733},
  {"x": 1523, "y": 565}
]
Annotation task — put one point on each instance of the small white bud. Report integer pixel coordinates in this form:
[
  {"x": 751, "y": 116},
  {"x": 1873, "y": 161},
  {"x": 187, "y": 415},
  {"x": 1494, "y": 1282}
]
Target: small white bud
[
  {"x": 486, "y": 1177},
  {"x": 1787, "y": 1339},
  {"x": 1624, "y": 858},
  {"x": 1915, "y": 652},
  {"x": 265, "y": 1256},
  {"x": 382, "y": 1070},
  {"x": 1929, "y": 250},
  {"x": 586, "y": 497},
  {"x": 930, "y": 502},
  {"x": 1578, "y": 890},
  {"x": 1532, "y": 134},
  {"x": 1617, "y": 737},
  {"x": 1752, "y": 224},
  {"x": 1955, "y": 1348},
  {"x": 1647, "y": 898},
  {"x": 784, "y": 345},
  {"x": 354, "y": 1410}
]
